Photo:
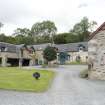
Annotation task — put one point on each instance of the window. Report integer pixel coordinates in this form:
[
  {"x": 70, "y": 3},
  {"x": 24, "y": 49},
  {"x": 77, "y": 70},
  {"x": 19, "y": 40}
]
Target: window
[
  {"x": 3, "y": 49},
  {"x": 78, "y": 58},
  {"x": 81, "y": 47}
]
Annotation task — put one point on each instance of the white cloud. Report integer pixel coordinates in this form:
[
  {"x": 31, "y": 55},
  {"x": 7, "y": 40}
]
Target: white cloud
[{"x": 65, "y": 13}]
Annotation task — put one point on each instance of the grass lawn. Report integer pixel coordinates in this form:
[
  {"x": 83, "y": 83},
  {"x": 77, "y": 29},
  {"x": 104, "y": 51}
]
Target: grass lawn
[
  {"x": 78, "y": 63},
  {"x": 18, "y": 79}
]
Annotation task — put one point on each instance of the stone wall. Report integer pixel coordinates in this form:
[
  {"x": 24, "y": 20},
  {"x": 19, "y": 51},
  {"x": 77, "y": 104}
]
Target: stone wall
[
  {"x": 5, "y": 55},
  {"x": 83, "y": 55},
  {"x": 9, "y": 55},
  {"x": 96, "y": 51}
]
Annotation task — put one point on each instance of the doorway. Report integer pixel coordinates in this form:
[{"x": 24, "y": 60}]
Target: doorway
[{"x": 12, "y": 62}]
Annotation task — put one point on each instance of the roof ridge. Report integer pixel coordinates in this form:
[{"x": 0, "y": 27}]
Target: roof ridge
[
  {"x": 7, "y": 43},
  {"x": 72, "y": 43},
  {"x": 96, "y": 31}
]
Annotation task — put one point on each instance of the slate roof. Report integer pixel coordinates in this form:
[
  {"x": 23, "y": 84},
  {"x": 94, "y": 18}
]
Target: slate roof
[
  {"x": 41, "y": 46},
  {"x": 70, "y": 47},
  {"x": 8, "y": 47}
]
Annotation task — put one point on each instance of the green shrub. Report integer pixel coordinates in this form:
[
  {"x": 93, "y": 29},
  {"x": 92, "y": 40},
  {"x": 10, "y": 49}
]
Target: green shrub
[
  {"x": 84, "y": 74},
  {"x": 50, "y": 54}
]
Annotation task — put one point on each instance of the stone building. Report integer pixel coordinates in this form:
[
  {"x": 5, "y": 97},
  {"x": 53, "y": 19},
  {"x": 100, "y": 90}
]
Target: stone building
[
  {"x": 13, "y": 55},
  {"x": 75, "y": 51},
  {"x": 96, "y": 50},
  {"x": 22, "y": 55}
]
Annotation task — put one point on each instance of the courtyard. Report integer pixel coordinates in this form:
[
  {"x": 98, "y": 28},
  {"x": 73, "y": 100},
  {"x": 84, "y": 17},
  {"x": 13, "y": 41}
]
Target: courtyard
[{"x": 67, "y": 89}]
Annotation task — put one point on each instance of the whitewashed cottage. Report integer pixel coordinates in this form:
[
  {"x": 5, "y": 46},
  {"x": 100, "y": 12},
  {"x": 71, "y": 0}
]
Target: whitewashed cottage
[{"x": 96, "y": 51}]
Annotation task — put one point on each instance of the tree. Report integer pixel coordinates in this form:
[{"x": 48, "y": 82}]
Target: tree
[
  {"x": 64, "y": 38},
  {"x": 23, "y": 36},
  {"x": 10, "y": 39},
  {"x": 28, "y": 40},
  {"x": 43, "y": 39},
  {"x": 83, "y": 28},
  {"x": 60, "y": 38},
  {"x": 1, "y": 25},
  {"x": 70, "y": 38},
  {"x": 3, "y": 38},
  {"x": 22, "y": 32},
  {"x": 93, "y": 25},
  {"x": 50, "y": 54},
  {"x": 45, "y": 28}
]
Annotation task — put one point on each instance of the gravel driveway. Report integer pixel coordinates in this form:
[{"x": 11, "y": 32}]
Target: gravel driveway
[{"x": 67, "y": 89}]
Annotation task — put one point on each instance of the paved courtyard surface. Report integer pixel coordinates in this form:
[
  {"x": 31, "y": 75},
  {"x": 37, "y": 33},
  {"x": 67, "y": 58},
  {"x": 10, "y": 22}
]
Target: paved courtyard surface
[{"x": 67, "y": 89}]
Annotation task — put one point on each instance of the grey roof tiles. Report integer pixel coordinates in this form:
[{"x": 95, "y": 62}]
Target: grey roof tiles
[{"x": 70, "y": 47}]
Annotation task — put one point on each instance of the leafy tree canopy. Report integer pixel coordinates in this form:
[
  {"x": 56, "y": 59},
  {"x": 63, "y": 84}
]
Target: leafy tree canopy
[
  {"x": 46, "y": 32},
  {"x": 22, "y": 32},
  {"x": 44, "y": 28},
  {"x": 50, "y": 53},
  {"x": 83, "y": 28}
]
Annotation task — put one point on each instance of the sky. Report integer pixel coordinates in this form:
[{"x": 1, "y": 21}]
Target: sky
[{"x": 64, "y": 13}]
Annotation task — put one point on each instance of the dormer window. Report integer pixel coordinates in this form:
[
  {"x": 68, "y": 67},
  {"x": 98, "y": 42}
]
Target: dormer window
[
  {"x": 3, "y": 49},
  {"x": 81, "y": 47}
]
